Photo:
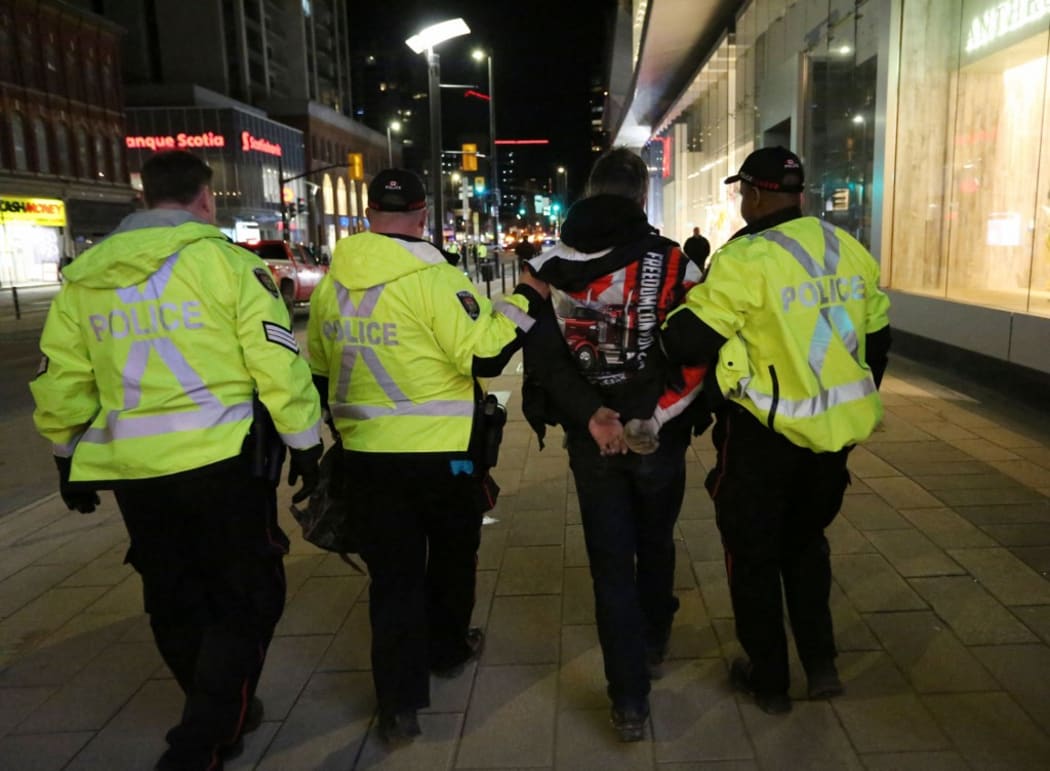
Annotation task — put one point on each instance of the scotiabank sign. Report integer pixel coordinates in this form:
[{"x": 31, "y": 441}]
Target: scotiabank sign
[
  {"x": 49, "y": 212},
  {"x": 178, "y": 142},
  {"x": 259, "y": 145},
  {"x": 209, "y": 139}
]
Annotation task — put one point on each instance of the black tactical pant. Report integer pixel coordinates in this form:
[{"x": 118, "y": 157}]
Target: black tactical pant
[
  {"x": 773, "y": 500},
  {"x": 421, "y": 529},
  {"x": 210, "y": 553}
]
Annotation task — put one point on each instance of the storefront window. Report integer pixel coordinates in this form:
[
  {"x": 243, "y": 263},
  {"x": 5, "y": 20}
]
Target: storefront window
[
  {"x": 340, "y": 207},
  {"x": 839, "y": 130},
  {"x": 967, "y": 224},
  {"x": 62, "y": 157},
  {"x": 116, "y": 159},
  {"x": 16, "y": 127},
  {"x": 83, "y": 153},
  {"x": 43, "y": 160},
  {"x": 328, "y": 195},
  {"x": 101, "y": 170}
]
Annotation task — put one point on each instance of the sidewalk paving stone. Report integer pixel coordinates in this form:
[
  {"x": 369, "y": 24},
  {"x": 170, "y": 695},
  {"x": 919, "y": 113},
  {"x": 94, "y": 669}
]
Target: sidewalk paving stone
[
  {"x": 913, "y": 554},
  {"x": 973, "y": 614},
  {"x": 929, "y": 654},
  {"x": 511, "y": 719},
  {"x": 947, "y": 529},
  {"x": 991, "y": 731},
  {"x": 521, "y": 630},
  {"x": 872, "y": 584},
  {"x": 695, "y": 717},
  {"x": 1005, "y": 576},
  {"x": 1022, "y": 670}
]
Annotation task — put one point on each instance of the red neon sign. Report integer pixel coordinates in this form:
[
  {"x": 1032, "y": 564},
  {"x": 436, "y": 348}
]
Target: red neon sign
[
  {"x": 259, "y": 145},
  {"x": 470, "y": 92},
  {"x": 523, "y": 141},
  {"x": 180, "y": 141}
]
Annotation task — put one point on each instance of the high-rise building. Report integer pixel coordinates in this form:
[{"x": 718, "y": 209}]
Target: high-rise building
[
  {"x": 269, "y": 82},
  {"x": 249, "y": 50}
]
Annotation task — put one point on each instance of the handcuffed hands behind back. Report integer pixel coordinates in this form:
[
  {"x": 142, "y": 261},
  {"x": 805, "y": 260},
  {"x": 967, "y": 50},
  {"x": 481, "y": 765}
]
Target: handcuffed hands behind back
[{"x": 607, "y": 431}]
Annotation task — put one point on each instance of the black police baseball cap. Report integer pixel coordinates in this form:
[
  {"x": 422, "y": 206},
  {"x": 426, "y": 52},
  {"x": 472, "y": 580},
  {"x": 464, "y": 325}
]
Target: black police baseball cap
[
  {"x": 771, "y": 168},
  {"x": 396, "y": 190}
]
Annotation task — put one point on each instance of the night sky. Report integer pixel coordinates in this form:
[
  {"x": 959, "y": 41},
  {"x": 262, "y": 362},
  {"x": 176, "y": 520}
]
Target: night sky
[{"x": 545, "y": 55}]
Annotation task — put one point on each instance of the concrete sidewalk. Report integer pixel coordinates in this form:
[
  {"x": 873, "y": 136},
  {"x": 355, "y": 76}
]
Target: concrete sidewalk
[{"x": 941, "y": 602}]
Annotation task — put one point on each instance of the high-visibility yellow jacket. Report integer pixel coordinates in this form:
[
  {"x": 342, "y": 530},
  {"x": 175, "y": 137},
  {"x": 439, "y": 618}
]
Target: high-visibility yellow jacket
[
  {"x": 153, "y": 348},
  {"x": 795, "y": 303},
  {"x": 399, "y": 333}
]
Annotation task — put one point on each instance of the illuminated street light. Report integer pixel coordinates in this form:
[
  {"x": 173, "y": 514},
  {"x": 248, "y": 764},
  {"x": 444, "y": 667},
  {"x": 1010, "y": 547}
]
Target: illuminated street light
[
  {"x": 479, "y": 55},
  {"x": 394, "y": 125},
  {"x": 565, "y": 172},
  {"x": 425, "y": 40}
]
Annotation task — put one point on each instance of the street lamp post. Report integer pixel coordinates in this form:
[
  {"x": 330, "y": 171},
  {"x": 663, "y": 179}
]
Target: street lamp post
[
  {"x": 425, "y": 40},
  {"x": 565, "y": 173},
  {"x": 393, "y": 125},
  {"x": 493, "y": 161}
]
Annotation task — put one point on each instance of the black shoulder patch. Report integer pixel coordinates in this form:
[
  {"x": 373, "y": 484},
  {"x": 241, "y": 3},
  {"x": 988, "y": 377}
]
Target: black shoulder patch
[
  {"x": 469, "y": 303},
  {"x": 266, "y": 280}
]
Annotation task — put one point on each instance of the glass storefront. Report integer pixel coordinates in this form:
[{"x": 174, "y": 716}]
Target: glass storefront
[
  {"x": 972, "y": 204},
  {"x": 928, "y": 141},
  {"x": 30, "y": 240}
]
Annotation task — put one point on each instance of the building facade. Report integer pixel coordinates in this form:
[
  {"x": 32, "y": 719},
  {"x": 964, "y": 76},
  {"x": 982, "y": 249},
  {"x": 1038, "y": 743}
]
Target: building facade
[
  {"x": 922, "y": 125},
  {"x": 63, "y": 177},
  {"x": 250, "y": 59},
  {"x": 249, "y": 155}
]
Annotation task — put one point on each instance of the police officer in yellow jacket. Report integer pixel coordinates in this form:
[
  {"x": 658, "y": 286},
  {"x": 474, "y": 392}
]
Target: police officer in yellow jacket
[
  {"x": 793, "y": 310},
  {"x": 162, "y": 344},
  {"x": 397, "y": 337}
]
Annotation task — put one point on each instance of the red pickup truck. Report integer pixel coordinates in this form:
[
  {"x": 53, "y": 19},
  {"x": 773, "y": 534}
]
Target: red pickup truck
[{"x": 296, "y": 270}]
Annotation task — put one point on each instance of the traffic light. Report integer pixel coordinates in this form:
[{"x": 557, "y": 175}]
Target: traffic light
[
  {"x": 479, "y": 185},
  {"x": 470, "y": 157},
  {"x": 301, "y": 203},
  {"x": 355, "y": 164}
]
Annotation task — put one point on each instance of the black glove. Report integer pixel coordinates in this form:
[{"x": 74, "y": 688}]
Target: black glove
[
  {"x": 76, "y": 496},
  {"x": 304, "y": 464}
]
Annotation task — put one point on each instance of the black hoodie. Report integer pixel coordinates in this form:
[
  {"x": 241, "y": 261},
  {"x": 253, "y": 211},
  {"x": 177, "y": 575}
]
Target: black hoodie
[{"x": 613, "y": 281}]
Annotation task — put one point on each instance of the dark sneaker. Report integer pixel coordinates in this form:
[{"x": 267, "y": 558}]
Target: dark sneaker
[
  {"x": 823, "y": 680},
  {"x": 770, "y": 702},
  {"x": 475, "y": 643},
  {"x": 629, "y": 723},
  {"x": 399, "y": 728}
]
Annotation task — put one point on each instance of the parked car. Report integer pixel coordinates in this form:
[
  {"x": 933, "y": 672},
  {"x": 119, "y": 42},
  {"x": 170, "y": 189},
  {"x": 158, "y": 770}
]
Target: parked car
[{"x": 296, "y": 270}]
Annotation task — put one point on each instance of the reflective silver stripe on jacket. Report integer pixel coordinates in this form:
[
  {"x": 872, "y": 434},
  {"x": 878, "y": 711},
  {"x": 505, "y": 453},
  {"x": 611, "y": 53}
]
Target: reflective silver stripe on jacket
[
  {"x": 813, "y": 405},
  {"x": 352, "y": 354},
  {"x": 441, "y": 408},
  {"x": 832, "y": 318},
  {"x": 302, "y": 440},
  {"x": 523, "y": 320},
  {"x": 210, "y": 410},
  {"x": 65, "y": 450}
]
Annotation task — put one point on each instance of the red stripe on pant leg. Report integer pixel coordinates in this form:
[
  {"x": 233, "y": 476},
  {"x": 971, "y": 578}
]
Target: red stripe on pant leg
[{"x": 723, "y": 460}]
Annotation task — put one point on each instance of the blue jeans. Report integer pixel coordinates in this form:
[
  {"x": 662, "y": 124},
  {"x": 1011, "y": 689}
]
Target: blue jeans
[{"x": 629, "y": 505}]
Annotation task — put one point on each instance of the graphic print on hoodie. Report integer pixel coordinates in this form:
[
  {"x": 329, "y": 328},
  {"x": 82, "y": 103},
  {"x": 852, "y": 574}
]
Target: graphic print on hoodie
[{"x": 613, "y": 281}]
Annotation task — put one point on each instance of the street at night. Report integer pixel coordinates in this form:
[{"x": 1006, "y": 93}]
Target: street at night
[{"x": 612, "y": 384}]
